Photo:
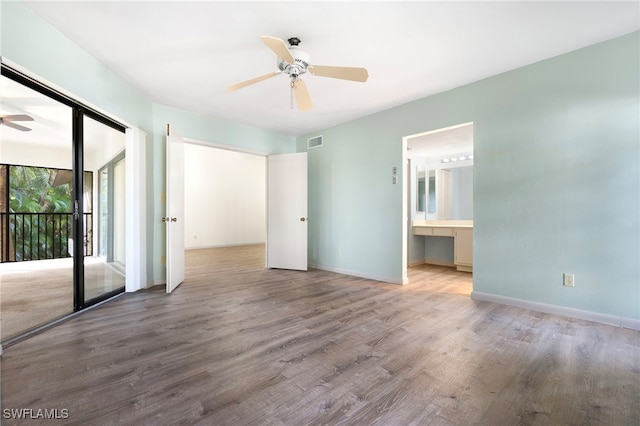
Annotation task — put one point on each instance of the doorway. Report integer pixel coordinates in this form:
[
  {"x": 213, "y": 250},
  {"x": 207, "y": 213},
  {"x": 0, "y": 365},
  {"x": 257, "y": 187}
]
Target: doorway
[
  {"x": 213, "y": 219},
  {"x": 437, "y": 186},
  {"x": 225, "y": 197}
]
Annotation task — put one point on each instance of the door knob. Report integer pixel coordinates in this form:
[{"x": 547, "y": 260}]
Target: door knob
[
  {"x": 174, "y": 219},
  {"x": 302, "y": 219}
]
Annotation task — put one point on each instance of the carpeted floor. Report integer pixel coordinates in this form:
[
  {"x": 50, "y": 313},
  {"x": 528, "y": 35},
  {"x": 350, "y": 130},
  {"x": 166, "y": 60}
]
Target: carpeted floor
[{"x": 35, "y": 293}]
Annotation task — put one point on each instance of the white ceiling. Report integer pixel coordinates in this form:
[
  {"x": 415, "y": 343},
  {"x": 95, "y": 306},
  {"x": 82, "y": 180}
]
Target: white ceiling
[
  {"x": 443, "y": 143},
  {"x": 184, "y": 54}
]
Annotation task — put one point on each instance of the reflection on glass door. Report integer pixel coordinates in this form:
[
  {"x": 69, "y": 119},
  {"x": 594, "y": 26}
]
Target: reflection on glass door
[
  {"x": 56, "y": 256},
  {"x": 104, "y": 273},
  {"x": 36, "y": 210}
]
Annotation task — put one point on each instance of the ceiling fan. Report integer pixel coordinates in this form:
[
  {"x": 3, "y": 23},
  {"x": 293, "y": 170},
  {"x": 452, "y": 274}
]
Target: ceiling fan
[
  {"x": 294, "y": 62},
  {"x": 8, "y": 120}
]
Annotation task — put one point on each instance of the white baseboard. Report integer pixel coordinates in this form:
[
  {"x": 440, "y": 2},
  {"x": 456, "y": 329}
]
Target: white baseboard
[
  {"x": 360, "y": 274},
  {"x": 559, "y": 310},
  {"x": 223, "y": 245},
  {"x": 439, "y": 263},
  {"x": 431, "y": 262}
]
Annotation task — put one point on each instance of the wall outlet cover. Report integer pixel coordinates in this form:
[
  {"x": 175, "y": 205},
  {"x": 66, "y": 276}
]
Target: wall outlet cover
[{"x": 568, "y": 280}]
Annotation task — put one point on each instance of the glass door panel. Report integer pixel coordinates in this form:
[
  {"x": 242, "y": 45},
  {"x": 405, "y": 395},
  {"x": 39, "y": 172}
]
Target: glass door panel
[
  {"x": 36, "y": 209},
  {"x": 104, "y": 272},
  {"x": 118, "y": 214}
]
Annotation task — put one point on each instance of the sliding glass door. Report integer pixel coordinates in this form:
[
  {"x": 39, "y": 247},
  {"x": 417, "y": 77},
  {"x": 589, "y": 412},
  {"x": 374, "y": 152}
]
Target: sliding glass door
[
  {"x": 36, "y": 209},
  {"x": 104, "y": 151},
  {"x": 61, "y": 201}
]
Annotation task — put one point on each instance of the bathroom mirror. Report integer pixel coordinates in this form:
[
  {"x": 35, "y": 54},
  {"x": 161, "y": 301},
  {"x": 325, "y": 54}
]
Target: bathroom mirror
[
  {"x": 431, "y": 194},
  {"x": 421, "y": 195},
  {"x": 450, "y": 193}
]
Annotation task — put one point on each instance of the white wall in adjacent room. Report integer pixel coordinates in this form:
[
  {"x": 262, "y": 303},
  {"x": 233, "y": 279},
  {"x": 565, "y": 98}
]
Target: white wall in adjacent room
[{"x": 224, "y": 197}]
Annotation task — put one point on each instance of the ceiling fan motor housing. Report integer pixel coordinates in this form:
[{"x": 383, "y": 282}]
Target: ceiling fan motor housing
[{"x": 300, "y": 66}]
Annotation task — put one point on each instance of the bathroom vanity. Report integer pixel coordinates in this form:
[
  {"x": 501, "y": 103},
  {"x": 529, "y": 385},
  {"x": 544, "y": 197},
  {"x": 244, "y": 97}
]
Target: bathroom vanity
[{"x": 460, "y": 230}]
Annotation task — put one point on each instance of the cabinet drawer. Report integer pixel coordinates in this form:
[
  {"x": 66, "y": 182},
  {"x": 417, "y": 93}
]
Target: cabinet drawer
[
  {"x": 421, "y": 230},
  {"x": 442, "y": 232}
]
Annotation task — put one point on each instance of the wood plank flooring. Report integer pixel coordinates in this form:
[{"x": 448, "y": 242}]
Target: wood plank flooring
[
  {"x": 237, "y": 344},
  {"x": 33, "y": 293}
]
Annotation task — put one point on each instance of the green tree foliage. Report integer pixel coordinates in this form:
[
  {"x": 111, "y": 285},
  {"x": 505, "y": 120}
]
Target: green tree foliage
[{"x": 32, "y": 191}]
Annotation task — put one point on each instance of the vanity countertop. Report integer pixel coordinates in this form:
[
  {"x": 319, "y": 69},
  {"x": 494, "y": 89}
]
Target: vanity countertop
[{"x": 443, "y": 223}]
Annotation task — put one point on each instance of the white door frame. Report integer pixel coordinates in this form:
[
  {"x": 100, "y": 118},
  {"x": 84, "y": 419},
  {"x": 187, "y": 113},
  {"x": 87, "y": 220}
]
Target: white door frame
[{"x": 135, "y": 210}]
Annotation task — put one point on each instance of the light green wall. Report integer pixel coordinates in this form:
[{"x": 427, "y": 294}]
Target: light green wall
[
  {"x": 35, "y": 46},
  {"x": 556, "y": 181}
]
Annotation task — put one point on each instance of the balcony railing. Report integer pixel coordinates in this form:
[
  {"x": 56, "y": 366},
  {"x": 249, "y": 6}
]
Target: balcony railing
[{"x": 38, "y": 236}]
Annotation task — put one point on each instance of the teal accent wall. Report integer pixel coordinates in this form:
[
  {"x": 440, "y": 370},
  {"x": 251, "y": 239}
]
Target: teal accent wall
[
  {"x": 556, "y": 181},
  {"x": 35, "y": 46}
]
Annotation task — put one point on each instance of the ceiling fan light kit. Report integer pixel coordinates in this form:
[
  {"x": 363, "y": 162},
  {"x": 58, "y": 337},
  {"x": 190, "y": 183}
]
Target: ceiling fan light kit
[{"x": 295, "y": 62}]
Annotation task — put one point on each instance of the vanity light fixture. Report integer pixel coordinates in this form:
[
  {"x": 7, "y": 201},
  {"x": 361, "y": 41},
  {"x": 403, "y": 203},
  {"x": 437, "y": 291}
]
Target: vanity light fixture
[{"x": 457, "y": 158}]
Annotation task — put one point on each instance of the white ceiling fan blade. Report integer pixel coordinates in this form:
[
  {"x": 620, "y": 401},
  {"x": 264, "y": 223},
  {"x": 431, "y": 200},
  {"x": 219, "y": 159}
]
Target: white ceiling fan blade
[
  {"x": 344, "y": 73},
  {"x": 252, "y": 81},
  {"x": 279, "y": 47},
  {"x": 302, "y": 95},
  {"x": 15, "y": 126},
  {"x": 16, "y": 117}
]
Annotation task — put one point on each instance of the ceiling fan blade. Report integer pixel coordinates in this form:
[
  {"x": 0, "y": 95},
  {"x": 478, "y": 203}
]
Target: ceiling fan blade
[
  {"x": 15, "y": 126},
  {"x": 16, "y": 117},
  {"x": 302, "y": 95},
  {"x": 344, "y": 73},
  {"x": 279, "y": 47},
  {"x": 252, "y": 81}
]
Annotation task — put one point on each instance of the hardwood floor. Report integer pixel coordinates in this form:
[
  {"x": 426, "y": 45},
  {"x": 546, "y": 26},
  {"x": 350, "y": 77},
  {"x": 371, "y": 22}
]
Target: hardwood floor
[
  {"x": 237, "y": 344},
  {"x": 33, "y": 293}
]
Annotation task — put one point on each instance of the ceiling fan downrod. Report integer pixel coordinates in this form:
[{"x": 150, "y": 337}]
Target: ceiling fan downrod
[{"x": 291, "y": 95}]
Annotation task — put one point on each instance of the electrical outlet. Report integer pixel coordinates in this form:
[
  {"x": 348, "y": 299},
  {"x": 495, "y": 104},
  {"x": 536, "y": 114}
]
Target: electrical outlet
[{"x": 568, "y": 280}]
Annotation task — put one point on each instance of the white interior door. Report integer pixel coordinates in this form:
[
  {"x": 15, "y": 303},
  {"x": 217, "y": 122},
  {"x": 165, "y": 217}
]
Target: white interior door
[
  {"x": 287, "y": 211},
  {"x": 174, "y": 220}
]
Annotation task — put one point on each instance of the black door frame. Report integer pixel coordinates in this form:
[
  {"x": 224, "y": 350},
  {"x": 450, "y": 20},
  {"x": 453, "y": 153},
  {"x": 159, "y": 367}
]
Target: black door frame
[{"x": 79, "y": 112}]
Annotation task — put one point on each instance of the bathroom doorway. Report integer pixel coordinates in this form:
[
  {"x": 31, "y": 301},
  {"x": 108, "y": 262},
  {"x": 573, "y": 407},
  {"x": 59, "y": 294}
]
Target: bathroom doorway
[{"x": 438, "y": 190}]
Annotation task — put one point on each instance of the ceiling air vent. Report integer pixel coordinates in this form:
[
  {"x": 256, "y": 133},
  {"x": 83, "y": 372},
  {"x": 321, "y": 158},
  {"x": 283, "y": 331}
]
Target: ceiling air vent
[{"x": 314, "y": 142}]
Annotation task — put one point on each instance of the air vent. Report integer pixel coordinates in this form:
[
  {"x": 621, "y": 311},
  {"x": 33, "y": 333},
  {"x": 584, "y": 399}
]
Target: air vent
[{"x": 314, "y": 142}]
